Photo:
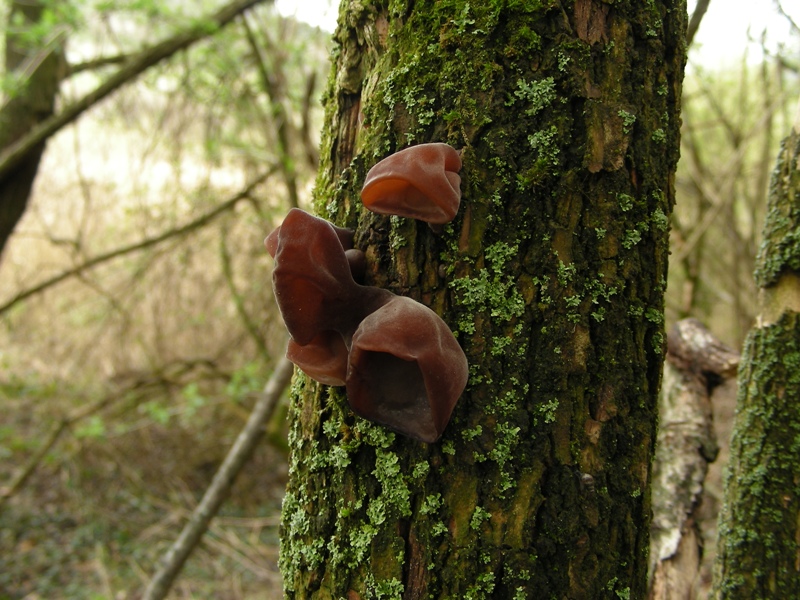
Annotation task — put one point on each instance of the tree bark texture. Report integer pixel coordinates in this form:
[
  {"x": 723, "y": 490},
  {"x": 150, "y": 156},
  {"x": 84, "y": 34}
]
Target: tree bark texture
[
  {"x": 758, "y": 549},
  {"x": 696, "y": 363},
  {"x": 552, "y": 277},
  {"x": 39, "y": 72}
]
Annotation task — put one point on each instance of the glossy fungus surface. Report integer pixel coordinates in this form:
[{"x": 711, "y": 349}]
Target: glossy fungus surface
[
  {"x": 406, "y": 370},
  {"x": 320, "y": 302},
  {"x": 400, "y": 362},
  {"x": 313, "y": 285},
  {"x": 324, "y": 358},
  {"x": 420, "y": 182}
]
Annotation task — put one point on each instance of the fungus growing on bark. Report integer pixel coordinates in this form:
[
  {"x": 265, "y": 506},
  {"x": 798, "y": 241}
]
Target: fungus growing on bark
[
  {"x": 355, "y": 258},
  {"x": 400, "y": 362},
  {"x": 406, "y": 370},
  {"x": 420, "y": 182},
  {"x": 320, "y": 302},
  {"x": 324, "y": 358},
  {"x": 312, "y": 281}
]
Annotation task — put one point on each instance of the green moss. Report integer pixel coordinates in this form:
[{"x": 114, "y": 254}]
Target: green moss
[
  {"x": 659, "y": 136},
  {"x": 471, "y": 434},
  {"x": 537, "y": 95},
  {"x": 547, "y": 411},
  {"x": 755, "y": 557},
  {"x": 495, "y": 296},
  {"x": 628, "y": 119},
  {"x": 431, "y": 504},
  {"x": 660, "y": 220},
  {"x": 479, "y": 515},
  {"x": 780, "y": 250},
  {"x": 546, "y": 145},
  {"x": 625, "y": 202}
]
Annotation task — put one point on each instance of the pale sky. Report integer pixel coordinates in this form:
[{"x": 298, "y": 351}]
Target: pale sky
[{"x": 722, "y": 37}]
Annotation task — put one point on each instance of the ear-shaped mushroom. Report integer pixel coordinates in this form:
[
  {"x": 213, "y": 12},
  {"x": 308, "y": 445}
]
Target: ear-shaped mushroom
[
  {"x": 355, "y": 258},
  {"x": 313, "y": 285},
  {"x": 420, "y": 182},
  {"x": 324, "y": 358},
  {"x": 319, "y": 301},
  {"x": 401, "y": 364},
  {"x": 406, "y": 369}
]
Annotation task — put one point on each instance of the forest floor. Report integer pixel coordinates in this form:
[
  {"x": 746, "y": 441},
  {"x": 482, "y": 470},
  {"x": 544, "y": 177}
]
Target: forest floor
[
  {"x": 98, "y": 513},
  {"x": 96, "y": 516}
]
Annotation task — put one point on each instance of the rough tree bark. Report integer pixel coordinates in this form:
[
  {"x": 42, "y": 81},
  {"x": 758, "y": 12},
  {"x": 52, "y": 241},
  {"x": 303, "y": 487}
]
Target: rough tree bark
[
  {"x": 552, "y": 276},
  {"x": 697, "y": 362},
  {"x": 758, "y": 549},
  {"x": 39, "y": 72}
]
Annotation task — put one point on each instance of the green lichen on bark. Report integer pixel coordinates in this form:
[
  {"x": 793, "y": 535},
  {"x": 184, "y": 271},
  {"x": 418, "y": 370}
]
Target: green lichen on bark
[
  {"x": 561, "y": 325},
  {"x": 780, "y": 250},
  {"x": 758, "y": 549},
  {"x": 759, "y": 531}
]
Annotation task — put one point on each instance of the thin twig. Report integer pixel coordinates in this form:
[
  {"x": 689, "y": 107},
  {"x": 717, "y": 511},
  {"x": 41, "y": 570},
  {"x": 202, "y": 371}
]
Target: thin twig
[
  {"x": 202, "y": 220},
  {"x": 227, "y": 271},
  {"x": 173, "y": 560},
  {"x": 794, "y": 25},
  {"x": 97, "y": 63},
  {"x": 11, "y": 157},
  {"x": 274, "y": 84}
]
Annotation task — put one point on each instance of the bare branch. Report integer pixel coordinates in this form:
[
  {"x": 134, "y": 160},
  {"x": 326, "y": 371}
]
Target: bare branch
[
  {"x": 274, "y": 84},
  {"x": 792, "y": 23},
  {"x": 97, "y": 63},
  {"x": 201, "y": 221},
  {"x": 218, "y": 491},
  {"x": 12, "y": 156},
  {"x": 238, "y": 301},
  {"x": 697, "y": 18}
]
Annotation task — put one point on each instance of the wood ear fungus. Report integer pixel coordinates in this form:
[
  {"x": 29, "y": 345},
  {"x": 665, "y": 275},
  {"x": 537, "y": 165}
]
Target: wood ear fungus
[
  {"x": 399, "y": 361},
  {"x": 406, "y": 370},
  {"x": 420, "y": 182},
  {"x": 324, "y": 358},
  {"x": 355, "y": 257}
]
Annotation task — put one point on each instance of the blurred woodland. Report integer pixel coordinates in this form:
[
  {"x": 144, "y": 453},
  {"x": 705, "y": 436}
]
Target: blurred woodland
[{"x": 137, "y": 325}]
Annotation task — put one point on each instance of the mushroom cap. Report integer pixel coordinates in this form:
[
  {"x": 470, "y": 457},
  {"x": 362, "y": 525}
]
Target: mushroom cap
[
  {"x": 420, "y": 182},
  {"x": 355, "y": 258},
  {"x": 313, "y": 285},
  {"x": 406, "y": 369},
  {"x": 324, "y": 358}
]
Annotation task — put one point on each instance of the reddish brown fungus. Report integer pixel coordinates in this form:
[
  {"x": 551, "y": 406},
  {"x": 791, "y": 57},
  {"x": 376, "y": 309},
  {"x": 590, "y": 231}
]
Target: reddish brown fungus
[
  {"x": 401, "y": 364},
  {"x": 355, "y": 258},
  {"x": 420, "y": 182},
  {"x": 406, "y": 369},
  {"x": 318, "y": 298},
  {"x": 324, "y": 358}
]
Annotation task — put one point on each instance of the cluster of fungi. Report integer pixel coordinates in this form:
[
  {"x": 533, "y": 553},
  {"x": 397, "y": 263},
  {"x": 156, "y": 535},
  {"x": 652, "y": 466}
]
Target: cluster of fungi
[{"x": 400, "y": 363}]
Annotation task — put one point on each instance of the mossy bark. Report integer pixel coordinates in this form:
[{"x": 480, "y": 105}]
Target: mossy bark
[
  {"x": 552, "y": 277},
  {"x": 758, "y": 549}
]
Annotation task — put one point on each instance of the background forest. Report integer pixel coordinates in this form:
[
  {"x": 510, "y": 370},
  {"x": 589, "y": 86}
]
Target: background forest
[{"x": 137, "y": 325}]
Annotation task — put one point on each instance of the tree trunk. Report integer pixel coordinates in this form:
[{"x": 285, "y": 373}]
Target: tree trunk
[
  {"x": 552, "y": 277},
  {"x": 697, "y": 362},
  {"x": 39, "y": 71},
  {"x": 758, "y": 549}
]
